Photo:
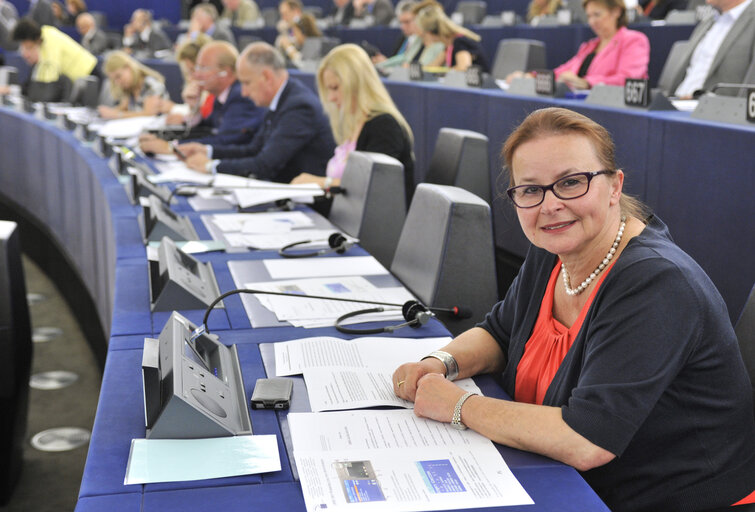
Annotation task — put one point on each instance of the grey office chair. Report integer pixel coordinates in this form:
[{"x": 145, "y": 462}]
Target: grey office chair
[
  {"x": 672, "y": 66},
  {"x": 460, "y": 159},
  {"x": 315, "y": 48},
  {"x": 373, "y": 206},
  {"x": 445, "y": 255},
  {"x": 745, "y": 330},
  {"x": 472, "y": 11},
  {"x": 85, "y": 92},
  {"x": 518, "y": 55}
]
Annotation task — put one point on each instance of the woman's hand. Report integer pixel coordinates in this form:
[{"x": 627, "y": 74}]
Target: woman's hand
[
  {"x": 436, "y": 397},
  {"x": 305, "y": 178},
  {"x": 407, "y": 376},
  {"x": 572, "y": 80},
  {"x": 106, "y": 112}
]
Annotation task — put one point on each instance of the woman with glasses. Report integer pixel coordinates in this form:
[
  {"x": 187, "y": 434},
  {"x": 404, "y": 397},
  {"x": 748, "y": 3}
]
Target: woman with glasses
[{"x": 615, "y": 346}]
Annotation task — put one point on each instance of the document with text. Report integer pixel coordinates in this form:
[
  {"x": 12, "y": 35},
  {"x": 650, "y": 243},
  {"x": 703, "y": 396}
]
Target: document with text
[
  {"x": 352, "y": 374},
  {"x": 394, "y": 461}
]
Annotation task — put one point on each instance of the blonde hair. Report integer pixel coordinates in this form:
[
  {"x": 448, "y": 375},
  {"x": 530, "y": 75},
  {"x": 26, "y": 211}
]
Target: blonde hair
[
  {"x": 363, "y": 94},
  {"x": 560, "y": 121},
  {"x": 432, "y": 19},
  {"x": 117, "y": 60},
  {"x": 549, "y": 7},
  {"x": 189, "y": 50}
]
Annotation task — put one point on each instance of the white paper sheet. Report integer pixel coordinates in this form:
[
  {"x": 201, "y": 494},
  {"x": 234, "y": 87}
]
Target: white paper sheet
[
  {"x": 324, "y": 267},
  {"x": 179, "y": 460},
  {"x": 394, "y": 461},
  {"x": 127, "y": 128},
  {"x": 350, "y": 287},
  {"x": 352, "y": 374},
  {"x": 295, "y": 356},
  {"x": 273, "y": 241},
  {"x": 245, "y": 222},
  {"x": 178, "y": 172}
]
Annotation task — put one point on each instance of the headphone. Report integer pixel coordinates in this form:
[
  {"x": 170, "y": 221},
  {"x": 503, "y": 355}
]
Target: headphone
[
  {"x": 336, "y": 243},
  {"x": 415, "y": 313}
]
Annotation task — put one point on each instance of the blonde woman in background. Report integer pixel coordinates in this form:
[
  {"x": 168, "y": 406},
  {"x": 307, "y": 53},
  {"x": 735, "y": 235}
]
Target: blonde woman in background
[
  {"x": 362, "y": 115},
  {"x": 463, "y": 47},
  {"x": 191, "y": 93},
  {"x": 136, "y": 89},
  {"x": 538, "y": 8}
]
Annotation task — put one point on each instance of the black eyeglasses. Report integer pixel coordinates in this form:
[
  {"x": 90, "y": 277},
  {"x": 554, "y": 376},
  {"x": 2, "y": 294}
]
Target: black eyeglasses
[{"x": 569, "y": 187}]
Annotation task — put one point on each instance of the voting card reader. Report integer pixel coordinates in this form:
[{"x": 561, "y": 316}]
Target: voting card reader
[{"x": 192, "y": 386}]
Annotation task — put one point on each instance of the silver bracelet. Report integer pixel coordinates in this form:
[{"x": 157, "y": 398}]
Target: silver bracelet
[
  {"x": 452, "y": 367},
  {"x": 456, "y": 419}
]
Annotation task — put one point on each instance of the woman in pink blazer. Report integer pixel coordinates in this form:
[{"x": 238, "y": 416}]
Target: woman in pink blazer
[{"x": 615, "y": 55}]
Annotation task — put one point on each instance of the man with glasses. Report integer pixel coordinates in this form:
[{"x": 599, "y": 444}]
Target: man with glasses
[{"x": 234, "y": 118}]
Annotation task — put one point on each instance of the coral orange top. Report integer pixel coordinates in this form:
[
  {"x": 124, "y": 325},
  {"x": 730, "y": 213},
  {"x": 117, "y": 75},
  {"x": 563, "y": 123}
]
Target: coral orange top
[{"x": 548, "y": 344}]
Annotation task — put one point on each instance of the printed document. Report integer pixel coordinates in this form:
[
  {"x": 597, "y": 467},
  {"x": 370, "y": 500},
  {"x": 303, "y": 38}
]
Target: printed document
[
  {"x": 393, "y": 461},
  {"x": 324, "y": 267},
  {"x": 274, "y": 241},
  {"x": 260, "y": 222},
  {"x": 297, "y": 307},
  {"x": 353, "y": 374}
]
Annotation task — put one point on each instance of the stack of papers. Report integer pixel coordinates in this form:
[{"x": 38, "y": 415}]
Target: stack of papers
[
  {"x": 397, "y": 462},
  {"x": 310, "y": 313},
  {"x": 351, "y": 374}
]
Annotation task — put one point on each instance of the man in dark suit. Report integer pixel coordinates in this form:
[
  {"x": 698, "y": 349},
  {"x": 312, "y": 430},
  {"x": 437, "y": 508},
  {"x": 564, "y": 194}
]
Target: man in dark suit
[
  {"x": 721, "y": 50},
  {"x": 295, "y": 135},
  {"x": 92, "y": 38},
  {"x": 234, "y": 118},
  {"x": 142, "y": 38}
]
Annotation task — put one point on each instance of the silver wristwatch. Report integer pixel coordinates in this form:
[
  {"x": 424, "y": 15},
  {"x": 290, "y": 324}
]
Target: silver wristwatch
[
  {"x": 452, "y": 368},
  {"x": 456, "y": 419}
]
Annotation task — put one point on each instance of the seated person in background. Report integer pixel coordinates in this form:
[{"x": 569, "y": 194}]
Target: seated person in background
[
  {"x": 294, "y": 136},
  {"x": 72, "y": 10},
  {"x": 379, "y": 12},
  {"x": 198, "y": 101},
  {"x": 659, "y": 9},
  {"x": 721, "y": 50},
  {"x": 234, "y": 118},
  {"x": 290, "y": 11},
  {"x": 615, "y": 55},
  {"x": 93, "y": 39},
  {"x": 343, "y": 12},
  {"x": 538, "y": 8},
  {"x": 240, "y": 13},
  {"x": 142, "y": 38},
  {"x": 8, "y": 20},
  {"x": 463, "y": 47},
  {"x": 634, "y": 377},
  {"x": 62, "y": 18},
  {"x": 409, "y": 44},
  {"x": 41, "y": 12},
  {"x": 203, "y": 21},
  {"x": 56, "y": 60},
  {"x": 136, "y": 89},
  {"x": 362, "y": 115},
  {"x": 304, "y": 28}
]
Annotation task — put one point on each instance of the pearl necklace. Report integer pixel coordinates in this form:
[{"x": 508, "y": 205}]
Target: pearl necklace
[{"x": 603, "y": 264}]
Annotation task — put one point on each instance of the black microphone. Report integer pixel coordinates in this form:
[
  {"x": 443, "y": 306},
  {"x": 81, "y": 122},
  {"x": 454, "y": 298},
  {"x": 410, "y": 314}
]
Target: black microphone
[
  {"x": 415, "y": 313},
  {"x": 337, "y": 243}
]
